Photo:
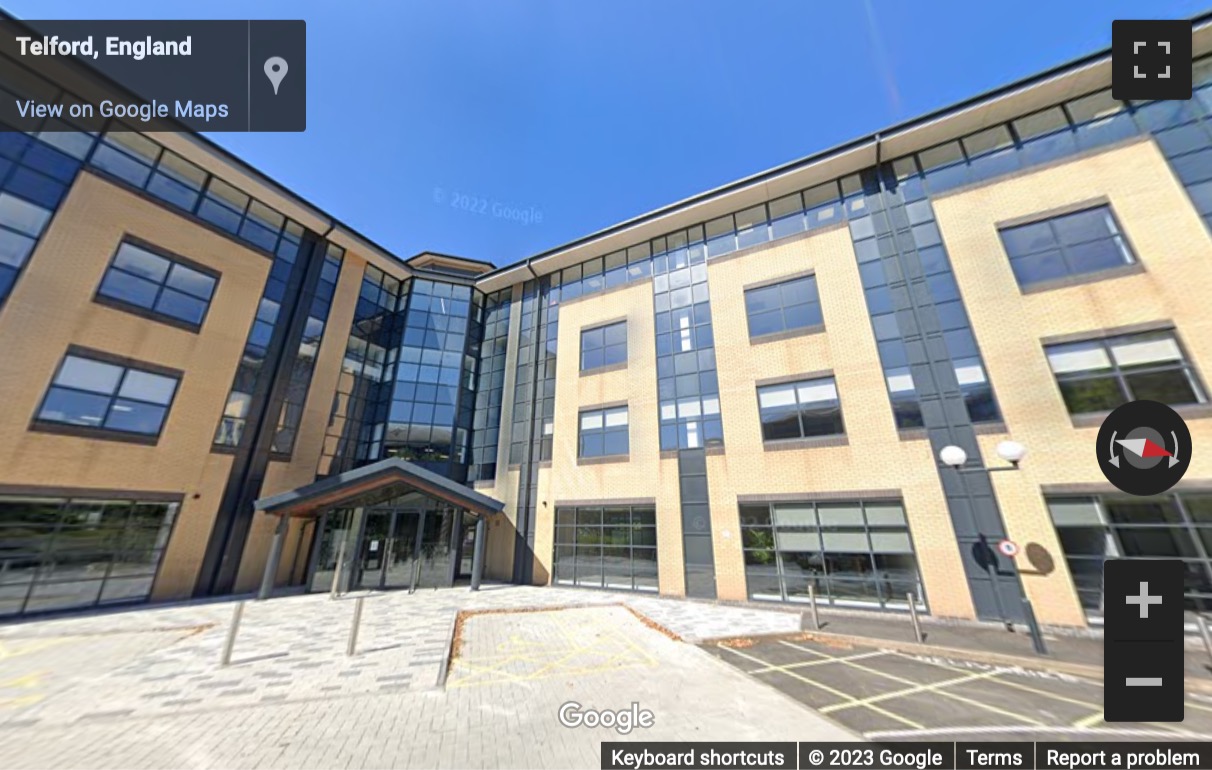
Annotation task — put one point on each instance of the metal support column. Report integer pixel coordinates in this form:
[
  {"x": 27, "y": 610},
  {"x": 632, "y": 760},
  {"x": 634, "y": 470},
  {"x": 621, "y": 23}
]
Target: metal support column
[
  {"x": 275, "y": 556},
  {"x": 477, "y": 559},
  {"x": 456, "y": 535}
]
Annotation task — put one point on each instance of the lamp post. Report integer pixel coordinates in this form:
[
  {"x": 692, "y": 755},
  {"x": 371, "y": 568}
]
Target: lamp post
[{"x": 1011, "y": 451}]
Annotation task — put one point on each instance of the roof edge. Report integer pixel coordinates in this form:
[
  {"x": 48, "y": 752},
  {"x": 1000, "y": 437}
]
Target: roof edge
[{"x": 1072, "y": 65}]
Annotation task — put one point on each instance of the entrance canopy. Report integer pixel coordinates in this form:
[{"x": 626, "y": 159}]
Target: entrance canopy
[{"x": 375, "y": 483}]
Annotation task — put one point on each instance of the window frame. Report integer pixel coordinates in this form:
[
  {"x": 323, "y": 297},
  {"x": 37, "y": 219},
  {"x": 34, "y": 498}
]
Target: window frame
[
  {"x": 1185, "y": 525},
  {"x": 151, "y": 313},
  {"x": 1065, "y": 251},
  {"x": 766, "y": 535},
  {"x": 1114, "y": 372},
  {"x": 795, "y": 385},
  {"x": 55, "y": 521},
  {"x": 785, "y": 330},
  {"x": 577, "y": 525},
  {"x": 605, "y": 366},
  {"x": 41, "y": 424},
  {"x": 602, "y": 412}
]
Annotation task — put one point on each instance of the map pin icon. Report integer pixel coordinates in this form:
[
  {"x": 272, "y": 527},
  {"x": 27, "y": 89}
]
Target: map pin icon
[{"x": 275, "y": 70}]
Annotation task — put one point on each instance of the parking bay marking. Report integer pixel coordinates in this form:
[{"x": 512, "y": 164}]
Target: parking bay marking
[
  {"x": 811, "y": 663},
  {"x": 922, "y": 688},
  {"x": 1081, "y": 723},
  {"x": 943, "y": 693},
  {"x": 825, "y": 687}
]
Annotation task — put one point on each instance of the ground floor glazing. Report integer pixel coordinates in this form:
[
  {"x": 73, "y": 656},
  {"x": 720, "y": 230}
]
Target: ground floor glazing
[
  {"x": 407, "y": 543},
  {"x": 60, "y": 553}
]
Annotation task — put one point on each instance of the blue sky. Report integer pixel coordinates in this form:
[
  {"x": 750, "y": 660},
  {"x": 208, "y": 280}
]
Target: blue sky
[{"x": 593, "y": 112}]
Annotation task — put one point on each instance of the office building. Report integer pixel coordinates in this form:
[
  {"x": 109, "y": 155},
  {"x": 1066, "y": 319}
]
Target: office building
[{"x": 737, "y": 396}]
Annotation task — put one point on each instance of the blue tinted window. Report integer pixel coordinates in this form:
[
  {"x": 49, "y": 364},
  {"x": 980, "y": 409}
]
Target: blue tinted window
[
  {"x": 1071, "y": 244},
  {"x": 98, "y": 394},
  {"x": 140, "y": 277},
  {"x": 784, "y": 306},
  {"x": 800, "y": 409},
  {"x": 604, "y": 346},
  {"x": 603, "y": 432}
]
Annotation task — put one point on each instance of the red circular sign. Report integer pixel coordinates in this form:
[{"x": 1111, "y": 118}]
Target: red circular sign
[{"x": 1008, "y": 548}]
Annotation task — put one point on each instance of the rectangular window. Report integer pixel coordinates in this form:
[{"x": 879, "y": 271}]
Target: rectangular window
[
  {"x": 61, "y": 554},
  {"x": 783, "y": 306},
  {"x": 613, "y": 546},
  {"x": 803, "y": 409},
  {"x": 604, "y": 433},
  {"x": 91, "y": 393},
  {"x": 21, "y": 224},
  {"x": 604, "y": 346},
  {"x": 139, "y": 277},
  {"x": 850, "y": 553},
  {"x": 1071, "y": 244},
  {"x": 1175, "y": 526},
  {"x": 1099, "y": 375}
]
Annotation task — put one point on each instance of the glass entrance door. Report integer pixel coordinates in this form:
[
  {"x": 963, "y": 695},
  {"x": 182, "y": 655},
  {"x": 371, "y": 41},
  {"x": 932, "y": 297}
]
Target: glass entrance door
[
  {"x": 467, "y": 550},
  {"x": 402, "y": 550},
  {"x": 437, "y": 542},
  {"x": 388, "y": 549},
  {"x": 373, "y": 549}
]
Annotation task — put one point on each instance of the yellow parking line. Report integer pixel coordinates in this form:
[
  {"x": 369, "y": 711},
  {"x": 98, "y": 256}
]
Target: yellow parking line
[
  {"x": 812, "y": 663},
  {"x": 570, "y": 638},
  {"x": 943, "y": 693},
  {"x": 27, "y": 682},
  {"x": 909, "y": 691},
  {"x": 1045, "y": 693},
  {"x": 7, "y": 650},
  {"x": 826, "y": 688},
  {"x": 1016, "y": 685},
  {"x": 1089, "y": 721}
]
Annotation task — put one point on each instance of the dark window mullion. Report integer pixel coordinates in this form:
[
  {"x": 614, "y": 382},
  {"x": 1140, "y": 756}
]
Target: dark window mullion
[
  {"x": 1123, "y": 384},
  {"x": 202, "y": 191},
  {"x": 113, "y": 398},
  {"x": 160, "y": 290}
]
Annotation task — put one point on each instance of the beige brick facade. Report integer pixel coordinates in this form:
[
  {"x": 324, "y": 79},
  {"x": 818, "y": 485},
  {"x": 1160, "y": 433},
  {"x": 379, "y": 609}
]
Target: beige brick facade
[
  {"x": 1171, "y": 243},
  {"x": 52, "y": 307},
  {"x": 644, "y": 475},
  {"x": 64, "y": 274},
  {"x": 874, "y": 458}
]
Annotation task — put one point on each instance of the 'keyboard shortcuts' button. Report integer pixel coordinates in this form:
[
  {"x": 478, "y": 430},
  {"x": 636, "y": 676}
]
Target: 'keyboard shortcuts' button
[{"x": 1143, "y": 640}]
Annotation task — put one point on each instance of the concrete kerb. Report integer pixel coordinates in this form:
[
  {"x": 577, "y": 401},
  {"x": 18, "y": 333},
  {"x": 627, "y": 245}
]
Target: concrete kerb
[
  {"x": 454, "y": 634},
  {"x": 448, "y": 654}
]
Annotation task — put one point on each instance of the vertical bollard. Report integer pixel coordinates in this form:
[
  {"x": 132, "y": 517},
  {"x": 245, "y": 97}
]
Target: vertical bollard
[
  {"x": 230, "y": 641},
  {"x": 917, "y": 628},
  {"x": 1203, "y": 631},
  {"x": 816, "y": 618},
  {"x": 336, "y": 575},
  {"x": 353, "y": 629},
  {"x": 1037, "y": 637}
]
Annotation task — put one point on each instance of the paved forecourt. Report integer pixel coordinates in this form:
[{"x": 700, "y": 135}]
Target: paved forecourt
[{"x": 144, "y": 689}]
